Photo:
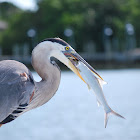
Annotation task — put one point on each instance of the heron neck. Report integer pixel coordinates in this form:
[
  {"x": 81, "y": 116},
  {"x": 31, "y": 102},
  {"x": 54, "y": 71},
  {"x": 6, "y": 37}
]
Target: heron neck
[
  {"x": 49, "y": 73},
  {"x": 42, "y": 64}
]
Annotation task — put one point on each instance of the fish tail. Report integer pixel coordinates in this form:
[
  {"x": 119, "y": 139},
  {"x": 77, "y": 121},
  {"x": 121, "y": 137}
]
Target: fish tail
[{"x": 111, "y": 112}]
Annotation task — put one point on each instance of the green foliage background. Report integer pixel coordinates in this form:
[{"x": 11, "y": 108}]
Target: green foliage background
[{"x": 87, "y": 18}]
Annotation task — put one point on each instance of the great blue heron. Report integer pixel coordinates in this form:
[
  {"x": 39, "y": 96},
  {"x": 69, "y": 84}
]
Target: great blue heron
[{"x": 19, "y": 92}]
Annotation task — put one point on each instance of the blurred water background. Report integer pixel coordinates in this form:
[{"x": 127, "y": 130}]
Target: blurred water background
[{"x": 73, "y": 114}]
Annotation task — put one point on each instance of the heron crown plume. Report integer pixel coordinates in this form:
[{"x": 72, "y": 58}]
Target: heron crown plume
[{"x": 56, "y": 40}]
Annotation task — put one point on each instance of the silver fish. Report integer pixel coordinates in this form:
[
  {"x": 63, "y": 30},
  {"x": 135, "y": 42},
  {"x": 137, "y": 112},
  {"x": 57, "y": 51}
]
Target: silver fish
[{"x": 96, "y": 84}]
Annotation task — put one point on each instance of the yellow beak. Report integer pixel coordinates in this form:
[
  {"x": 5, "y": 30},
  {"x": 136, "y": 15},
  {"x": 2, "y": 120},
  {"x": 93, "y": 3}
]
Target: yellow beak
[
  {"x": 75, "y": 56},
  {"x": 75, "y": 70}
]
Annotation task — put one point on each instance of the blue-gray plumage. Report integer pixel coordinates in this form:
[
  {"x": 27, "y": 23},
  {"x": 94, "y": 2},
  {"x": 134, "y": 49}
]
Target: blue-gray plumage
[
  {"x": 19, "y": 92},
  {"x": 15, "y": 88}
]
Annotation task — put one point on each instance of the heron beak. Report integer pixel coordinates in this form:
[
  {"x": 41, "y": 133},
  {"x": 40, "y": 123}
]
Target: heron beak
[{"x": 74, "y": 59}]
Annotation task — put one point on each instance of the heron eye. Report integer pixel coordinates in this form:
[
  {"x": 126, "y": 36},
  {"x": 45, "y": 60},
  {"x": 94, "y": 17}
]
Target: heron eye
[{"x": 67, "y": 48}]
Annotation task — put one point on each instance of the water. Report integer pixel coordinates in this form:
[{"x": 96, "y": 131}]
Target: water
[{"x": 72, "y": 114}]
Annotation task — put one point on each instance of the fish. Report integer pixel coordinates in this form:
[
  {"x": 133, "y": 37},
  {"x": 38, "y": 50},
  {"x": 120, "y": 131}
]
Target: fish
[{"x": 95, "y": 84}]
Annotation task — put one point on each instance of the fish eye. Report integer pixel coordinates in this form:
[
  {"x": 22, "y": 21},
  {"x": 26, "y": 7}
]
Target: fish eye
[{"x": 67, "y": 48}]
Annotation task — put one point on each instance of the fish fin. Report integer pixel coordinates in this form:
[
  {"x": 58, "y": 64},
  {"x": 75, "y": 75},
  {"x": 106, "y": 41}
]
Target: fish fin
[
  {"x": 98, "y": 103},
  {"x": 88, "y": 86},
  {"x": 101, "y": 82},
  {"x": 111, "y": 113}
]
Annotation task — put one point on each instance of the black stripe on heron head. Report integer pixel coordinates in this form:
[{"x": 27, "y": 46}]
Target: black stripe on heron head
[{"x": 56, "y": 40}]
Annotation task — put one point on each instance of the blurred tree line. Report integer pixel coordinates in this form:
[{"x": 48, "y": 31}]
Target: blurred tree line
[{"x": 87, "y": 19}]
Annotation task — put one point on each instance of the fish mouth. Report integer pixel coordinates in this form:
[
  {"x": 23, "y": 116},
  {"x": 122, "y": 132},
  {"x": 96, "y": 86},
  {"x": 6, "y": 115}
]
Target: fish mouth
[
  {"x": 74, "y": 62},
  {"x": 75, "y": 59}
]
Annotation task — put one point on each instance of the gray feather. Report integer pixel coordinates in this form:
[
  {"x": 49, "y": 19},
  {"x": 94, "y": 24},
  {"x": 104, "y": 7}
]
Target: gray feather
[{"x": 15, "y": 89}]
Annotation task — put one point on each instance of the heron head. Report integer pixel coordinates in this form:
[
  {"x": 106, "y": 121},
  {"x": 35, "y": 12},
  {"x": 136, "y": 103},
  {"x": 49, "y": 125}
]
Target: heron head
[{"x": 67, "y": 55}]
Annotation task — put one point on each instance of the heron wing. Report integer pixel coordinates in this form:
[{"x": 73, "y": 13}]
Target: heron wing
[{"x": 16, "y": 88}]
